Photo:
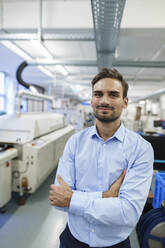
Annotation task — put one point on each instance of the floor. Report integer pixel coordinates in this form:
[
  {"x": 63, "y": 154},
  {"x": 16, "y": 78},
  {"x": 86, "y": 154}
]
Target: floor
[{"x": 36, "y": 224}]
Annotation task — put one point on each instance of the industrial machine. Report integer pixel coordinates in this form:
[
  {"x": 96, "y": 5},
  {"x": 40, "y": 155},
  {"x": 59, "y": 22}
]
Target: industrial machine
[
  {"x": 30, "y": 147},
  {"x": 6, "y": 154}
]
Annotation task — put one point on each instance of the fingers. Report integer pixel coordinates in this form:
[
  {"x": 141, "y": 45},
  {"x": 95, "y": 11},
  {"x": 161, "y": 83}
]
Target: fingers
[
  {"x": 52, "y": 195},
  {"x": 122, "y": 176},
  {"x": 52, "y": 186},
  {"x": 61, "y": 181},
  {"x": 57, "y": 193},
  {"x": 119, "y": 181}
]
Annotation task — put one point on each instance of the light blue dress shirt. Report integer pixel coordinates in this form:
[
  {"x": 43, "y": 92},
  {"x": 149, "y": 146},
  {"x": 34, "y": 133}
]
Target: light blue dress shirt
[{"x": 90, "y": 166}]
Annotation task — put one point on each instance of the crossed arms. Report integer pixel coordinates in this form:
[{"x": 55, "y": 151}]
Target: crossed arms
[
  {"x": 121, "y": 204},
  {"x": 60, "y": 196}
]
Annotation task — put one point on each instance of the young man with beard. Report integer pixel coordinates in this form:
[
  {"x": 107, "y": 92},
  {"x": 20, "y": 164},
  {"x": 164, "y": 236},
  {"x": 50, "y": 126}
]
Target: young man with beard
[{"x": 104, "y": 175}]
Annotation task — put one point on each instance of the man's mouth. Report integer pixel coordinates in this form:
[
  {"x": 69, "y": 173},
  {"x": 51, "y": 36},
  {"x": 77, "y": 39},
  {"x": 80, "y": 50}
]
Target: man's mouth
[{"x": 105, "y": 108}]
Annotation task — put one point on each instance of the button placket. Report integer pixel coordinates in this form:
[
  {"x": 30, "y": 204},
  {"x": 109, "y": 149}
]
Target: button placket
[{"x": 100, "y": 168}]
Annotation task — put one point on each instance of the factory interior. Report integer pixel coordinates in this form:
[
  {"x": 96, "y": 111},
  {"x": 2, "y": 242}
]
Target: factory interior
[{"x": 50, "y": 50}]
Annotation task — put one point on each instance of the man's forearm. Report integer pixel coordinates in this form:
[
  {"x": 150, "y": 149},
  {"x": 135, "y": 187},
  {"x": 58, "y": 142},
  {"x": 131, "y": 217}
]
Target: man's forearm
[{"x": 108, "y": 193}]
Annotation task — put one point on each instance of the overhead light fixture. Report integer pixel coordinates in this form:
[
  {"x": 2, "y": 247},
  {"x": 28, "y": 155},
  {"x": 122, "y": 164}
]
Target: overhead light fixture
[
  {"x": 61, "y": 69},
  {"x": 142, "y": 102},
  {"x": 46, "y": 71},
  {"x": 20, "y": 52},
  {"x": 17, "y": 50},
  {"x": 42, "y": 49}
]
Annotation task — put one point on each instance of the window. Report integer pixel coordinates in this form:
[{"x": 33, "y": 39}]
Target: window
[
  {"x": 7, "y": 94},
  {"x": 2, "y": 92}
]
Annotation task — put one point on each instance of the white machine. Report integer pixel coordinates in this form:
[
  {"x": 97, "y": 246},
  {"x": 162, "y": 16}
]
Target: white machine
[
  {"x": 6, "y": 154},
  {"x": 37, "y": 141}
]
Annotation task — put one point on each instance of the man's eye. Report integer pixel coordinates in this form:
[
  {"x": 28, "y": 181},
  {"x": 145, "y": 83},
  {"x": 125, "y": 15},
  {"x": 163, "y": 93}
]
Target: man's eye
[
  {"x": 114, "y": 94},
  {"x": 97, "y": 94}
]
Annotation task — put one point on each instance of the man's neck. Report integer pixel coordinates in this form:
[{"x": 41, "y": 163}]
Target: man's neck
[{"x": 107, "y": 130}]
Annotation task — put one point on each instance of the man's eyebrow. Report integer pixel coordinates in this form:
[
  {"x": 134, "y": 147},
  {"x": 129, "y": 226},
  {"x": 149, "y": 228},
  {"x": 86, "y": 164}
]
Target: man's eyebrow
[
  {"x": 114, "y": 91},
  {"x": 111, "y": 91}
]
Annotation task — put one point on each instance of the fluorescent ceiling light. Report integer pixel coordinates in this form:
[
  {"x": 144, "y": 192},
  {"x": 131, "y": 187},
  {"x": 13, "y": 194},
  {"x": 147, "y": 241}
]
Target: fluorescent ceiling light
[
  {"x": 42, "y": 49},
  {"x": 78, "y": 87},
  {"x": 46, "y": 71},
  {"x": 142, "y": 102},
  {"x": 61, "y": 69},
  {"x": 14, "y": 48}
]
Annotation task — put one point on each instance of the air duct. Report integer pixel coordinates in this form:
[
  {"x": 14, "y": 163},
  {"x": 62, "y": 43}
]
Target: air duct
[{"x": 107, "y": 15}]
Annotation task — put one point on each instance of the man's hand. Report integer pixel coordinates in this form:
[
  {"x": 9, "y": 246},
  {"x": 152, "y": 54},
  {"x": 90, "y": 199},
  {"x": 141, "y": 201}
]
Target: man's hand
[
  {"x": 61, "y": 195},
  {"x": 115, "y": 187}
]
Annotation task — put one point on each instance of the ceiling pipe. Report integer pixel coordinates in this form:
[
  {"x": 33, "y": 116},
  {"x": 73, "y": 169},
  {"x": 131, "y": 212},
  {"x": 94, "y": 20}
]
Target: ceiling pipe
[
  {"x": 83, "y": 62},
  {"x": 38, "y": 43},
  {"x": 107, "y": 15},
  {"x": 53, "y": 35},
  {"x": 140, "y": 64},
  {"x": 156, "y": 93},
  {"x": 40, "y": 21}
]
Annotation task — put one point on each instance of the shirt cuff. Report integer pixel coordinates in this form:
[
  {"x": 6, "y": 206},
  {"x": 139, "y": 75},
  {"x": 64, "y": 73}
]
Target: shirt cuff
[
  {"x": 80, "y": 200},
  {"x": 65, "y": 209}
]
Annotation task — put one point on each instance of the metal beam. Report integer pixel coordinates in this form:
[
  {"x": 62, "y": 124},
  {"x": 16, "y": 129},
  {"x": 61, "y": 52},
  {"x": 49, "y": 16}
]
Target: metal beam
[
  {"x": 47, "y": 35},
  {"x": 18, "y": 37},
  {"x": 127, "y": 78},
  {"x": 140, "y": 64},
  {"x": 83, "y": 62},
  {"x": 144, "y": 79},
  {"x": 40, "y": 21}
]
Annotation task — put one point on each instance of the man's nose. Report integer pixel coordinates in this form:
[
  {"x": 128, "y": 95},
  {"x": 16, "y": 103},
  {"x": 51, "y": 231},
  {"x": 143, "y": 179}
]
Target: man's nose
[{"x": 105, "y": 99}]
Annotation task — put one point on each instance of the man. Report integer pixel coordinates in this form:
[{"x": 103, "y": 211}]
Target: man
[{"x": 104, "y": 175}]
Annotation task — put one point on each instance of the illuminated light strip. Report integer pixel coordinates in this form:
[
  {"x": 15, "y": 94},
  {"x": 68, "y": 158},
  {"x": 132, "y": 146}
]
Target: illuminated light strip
[
  {"x": 42, "y": 49},
  {"x": 46, "y": 71},
  {"x": 15, "y": 49},
  {"x": 62, "y": 70}
]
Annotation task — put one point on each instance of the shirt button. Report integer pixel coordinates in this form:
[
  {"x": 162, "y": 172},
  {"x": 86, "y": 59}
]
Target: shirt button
[
  {"x": 92, "y": 230},
  {"x": 99, "y": 186}
]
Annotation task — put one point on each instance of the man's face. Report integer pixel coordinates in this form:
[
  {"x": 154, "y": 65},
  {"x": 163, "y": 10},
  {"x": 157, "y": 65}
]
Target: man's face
[{"x": 107, "y": 100}]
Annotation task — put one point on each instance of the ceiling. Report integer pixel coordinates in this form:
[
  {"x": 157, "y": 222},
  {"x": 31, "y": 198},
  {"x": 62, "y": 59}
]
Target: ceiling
[{"x": 69, "y": 36}]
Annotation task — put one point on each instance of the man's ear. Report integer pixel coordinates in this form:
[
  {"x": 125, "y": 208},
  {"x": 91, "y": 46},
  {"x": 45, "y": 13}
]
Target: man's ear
[
  {"x": 125, "y": 102},
  {"x": 92, "y": 102}
]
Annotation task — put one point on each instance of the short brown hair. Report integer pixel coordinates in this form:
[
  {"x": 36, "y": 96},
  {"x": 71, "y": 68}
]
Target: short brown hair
[{"x": 111, "y": 73}]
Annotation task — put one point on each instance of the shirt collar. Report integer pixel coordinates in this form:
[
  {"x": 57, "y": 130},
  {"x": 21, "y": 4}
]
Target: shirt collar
[{"x": 119, "y": 134}]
